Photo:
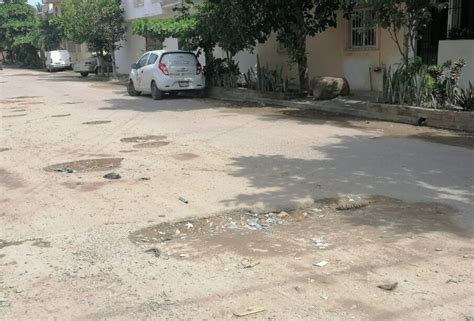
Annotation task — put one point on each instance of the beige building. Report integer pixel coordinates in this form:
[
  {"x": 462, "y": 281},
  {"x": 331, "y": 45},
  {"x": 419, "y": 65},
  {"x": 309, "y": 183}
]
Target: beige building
[
  {"x": 352, "y": 51},
  {"x": 360, "y": 54}
]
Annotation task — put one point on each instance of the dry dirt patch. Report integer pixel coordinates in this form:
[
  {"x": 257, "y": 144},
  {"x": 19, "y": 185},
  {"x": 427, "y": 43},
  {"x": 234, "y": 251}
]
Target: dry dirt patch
[{"x": 87, "y": 165}]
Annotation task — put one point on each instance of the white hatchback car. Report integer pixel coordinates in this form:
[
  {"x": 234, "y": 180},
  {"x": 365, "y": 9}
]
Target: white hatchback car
[{"x": 162, "y": 71}]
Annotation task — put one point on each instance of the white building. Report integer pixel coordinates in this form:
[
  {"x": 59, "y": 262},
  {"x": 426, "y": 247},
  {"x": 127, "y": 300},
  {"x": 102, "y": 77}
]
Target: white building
[{"x": 134, "y": 46}]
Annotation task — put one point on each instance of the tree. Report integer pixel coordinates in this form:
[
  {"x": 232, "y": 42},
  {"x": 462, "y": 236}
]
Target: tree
[
  {"x": 294, "y": 21},
  {"x": 403, "y": 16},
  {"x": 17, "y": 29},
  {"x": 49, "y": 34},
  {"x": 99, "y": 23}
]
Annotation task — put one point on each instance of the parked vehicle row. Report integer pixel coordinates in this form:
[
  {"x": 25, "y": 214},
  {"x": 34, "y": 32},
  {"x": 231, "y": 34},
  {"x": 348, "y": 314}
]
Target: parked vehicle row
[{"x": 158, "y": 72}]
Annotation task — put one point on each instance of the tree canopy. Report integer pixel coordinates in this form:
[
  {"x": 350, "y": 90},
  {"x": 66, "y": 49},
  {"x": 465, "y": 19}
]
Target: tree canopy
[
  {"x": 18, "y": 24},
  {"x": 236, "y": 25},
  {"x": 99, "y": 23}
]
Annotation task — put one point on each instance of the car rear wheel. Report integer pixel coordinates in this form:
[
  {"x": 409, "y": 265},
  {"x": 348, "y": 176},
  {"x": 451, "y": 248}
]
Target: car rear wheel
[
  {"x": 156, "y": 94},
  {"x": 84, "y": 74},
  {"x": 131, "y": 89}
]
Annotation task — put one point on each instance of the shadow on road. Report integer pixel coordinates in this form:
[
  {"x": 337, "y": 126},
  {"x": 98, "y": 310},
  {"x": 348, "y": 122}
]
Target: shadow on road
[{"x": 411, "y": 170}]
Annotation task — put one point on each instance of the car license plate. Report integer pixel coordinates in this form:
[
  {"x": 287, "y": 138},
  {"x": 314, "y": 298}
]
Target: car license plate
[{"x": 184, "y": 84}]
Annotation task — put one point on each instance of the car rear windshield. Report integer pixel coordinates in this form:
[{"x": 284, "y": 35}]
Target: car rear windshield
[{"x": 179, "y": 59}]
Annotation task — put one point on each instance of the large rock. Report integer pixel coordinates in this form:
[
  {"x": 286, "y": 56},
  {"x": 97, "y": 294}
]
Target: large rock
[{"x": 329, "y": 87}]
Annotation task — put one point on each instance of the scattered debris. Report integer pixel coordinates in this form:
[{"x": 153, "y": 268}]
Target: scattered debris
[
  {"x": 182, "y": 199},
  {"x": 468, "y": 256},
  {"x": 456, "y": 281},
  {"x": 249, "y": 311},
  {"x": 66, "y": 169},
  {"x": 154, "y": 251},
  {"x": 253, "y": 224},
  {"x": 145, "y": 179},
  {"x": 112, "y": 176},
  {"x": 320, "y": 243},
  {"x": 321, "y": 264},
  {"x": 283, "y": 214},
  {"x": 438, "y": 249},
  {"x": 189, "y": 225},
  {"x": 350, "y": 204},
  {"x": 247, "y": 263},
  {"x": 233, "y": 226},
  {"x": 388, "y": 286},
  {"x": 4, "y": 302},
  {"x": 324, "y": 297}
]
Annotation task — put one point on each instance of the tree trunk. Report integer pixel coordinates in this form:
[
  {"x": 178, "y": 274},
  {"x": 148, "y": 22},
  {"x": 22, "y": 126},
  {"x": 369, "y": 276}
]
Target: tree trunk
[
  {"x": 209, "y": 60},
  {"x": 114, "y": 67},
  {"x": 302, "y": 61},
  {"x": 406, "y": 47}
]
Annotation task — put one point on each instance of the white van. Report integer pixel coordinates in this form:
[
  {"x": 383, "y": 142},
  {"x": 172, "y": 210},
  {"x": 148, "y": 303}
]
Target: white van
[{"x": 58, "y": 60}]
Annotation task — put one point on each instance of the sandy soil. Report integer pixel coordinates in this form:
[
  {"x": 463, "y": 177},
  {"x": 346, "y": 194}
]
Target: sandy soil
[{"x": 224, "y": 210}]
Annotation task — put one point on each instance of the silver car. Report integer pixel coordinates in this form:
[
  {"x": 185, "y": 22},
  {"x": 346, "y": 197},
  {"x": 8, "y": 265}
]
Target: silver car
[{"x": 166, "y": 72}]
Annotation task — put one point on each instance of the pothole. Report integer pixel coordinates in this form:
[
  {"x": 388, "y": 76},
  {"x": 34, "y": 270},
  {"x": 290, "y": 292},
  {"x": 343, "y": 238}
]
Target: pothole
[
  {"x": 97, "y": 122},
  {"x": 12, "y": 116},
  {"x": 151, "y": 145},
  {"x": 61, "y": 115},
  {"x": 325, "y": 225},
  {"x": 239, "y": 220},
  {"x": 185, "y": 156},
  {"x": 31, "y": 103},
  {"x": 86, "y": 165},
  {"x": 142, "y": 139},
  {"x": 73, "y": 102},
  {"x": 24, "y": 97}
]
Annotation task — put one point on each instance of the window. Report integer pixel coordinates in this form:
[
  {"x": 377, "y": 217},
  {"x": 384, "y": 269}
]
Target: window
[
  {"x": 138, "y": 3},
  {"x": 142, "y": 61},
  {"x": 152, "y": 59},
  {"x": 363, "y": 33},
  {"x": 153, "y": 44},
  {"x": 179, "y": 59}
]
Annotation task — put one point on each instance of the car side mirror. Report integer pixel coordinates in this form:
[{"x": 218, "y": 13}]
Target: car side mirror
[{"x": 135, "y": 66}]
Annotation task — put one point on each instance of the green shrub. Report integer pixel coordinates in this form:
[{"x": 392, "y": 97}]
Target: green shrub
[{"x": 464, "y": 97}]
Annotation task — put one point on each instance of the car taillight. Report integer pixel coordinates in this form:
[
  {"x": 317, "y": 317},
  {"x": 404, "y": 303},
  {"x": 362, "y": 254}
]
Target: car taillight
[
  {"x": 198, "y": 69},
  {"x": 164, "y": 69}
]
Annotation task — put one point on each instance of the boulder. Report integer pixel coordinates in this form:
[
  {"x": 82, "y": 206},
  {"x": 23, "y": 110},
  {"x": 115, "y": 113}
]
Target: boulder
[{"x": 329, "y": 87}]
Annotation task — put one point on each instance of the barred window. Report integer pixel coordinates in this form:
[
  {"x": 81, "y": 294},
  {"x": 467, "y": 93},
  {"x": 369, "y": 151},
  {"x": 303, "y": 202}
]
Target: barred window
[{"x": 363, "y": 31}]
